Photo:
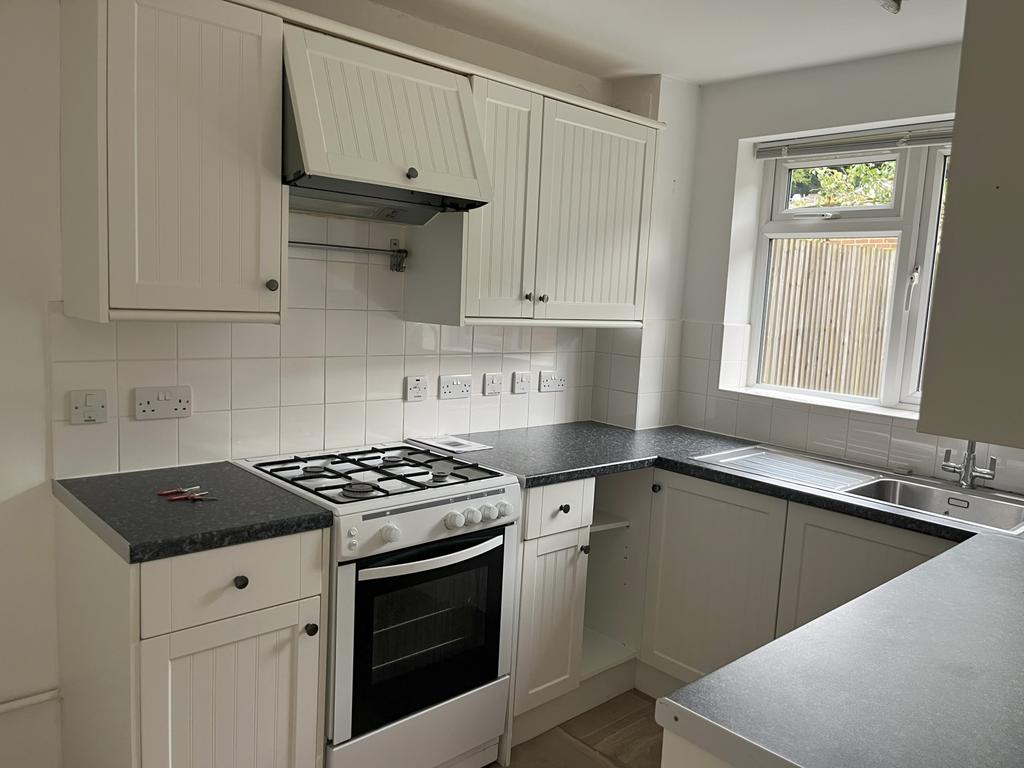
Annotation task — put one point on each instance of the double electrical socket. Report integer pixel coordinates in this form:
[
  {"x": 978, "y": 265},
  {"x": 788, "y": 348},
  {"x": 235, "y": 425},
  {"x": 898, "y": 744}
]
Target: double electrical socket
[
  {"x": 163, "y": 402},
  {"x": 550, "y": 381},
  {"x": 455, "y": 387}
]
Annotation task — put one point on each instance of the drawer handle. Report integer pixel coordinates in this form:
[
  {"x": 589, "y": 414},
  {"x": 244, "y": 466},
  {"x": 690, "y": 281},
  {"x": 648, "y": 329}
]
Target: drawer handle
[
  {"x": 585, "y": 549},
  {"x": 311, "y": 629},
  {"x": 241, "y": 582},
  {"x": 411, "y": 174},
  {"x": 564, "y": 509},
  {"x": 272, "y": 284}
]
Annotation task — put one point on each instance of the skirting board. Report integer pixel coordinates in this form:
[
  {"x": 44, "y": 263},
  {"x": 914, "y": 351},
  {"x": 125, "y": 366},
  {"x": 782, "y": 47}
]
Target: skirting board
[{"x": 653, "y": 682}]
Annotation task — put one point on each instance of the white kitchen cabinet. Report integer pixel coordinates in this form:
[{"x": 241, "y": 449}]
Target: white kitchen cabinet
[
  {"x": 712, "y": 575},
  {"x": 832, "y": 558},
  {"x": 171, "y": 134},
  {"x": 597, "y": 179},
  {"x": 551, "y": 608},
  {"x": 240, "y": 691},
  {"x": 502, "y": 236}
]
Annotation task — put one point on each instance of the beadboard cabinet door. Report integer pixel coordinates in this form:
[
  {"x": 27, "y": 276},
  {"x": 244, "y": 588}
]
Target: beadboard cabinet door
[
  {"x": 502, "y": 236},
  {"x": 712, "y": 575},
  {"x": 833, "y": 558},
  {"x": 597, "y": 181},
  {"x": 194, "y": 156},
  {"x": 241, "y": 691},
  {"x": 552, "y": 603}
]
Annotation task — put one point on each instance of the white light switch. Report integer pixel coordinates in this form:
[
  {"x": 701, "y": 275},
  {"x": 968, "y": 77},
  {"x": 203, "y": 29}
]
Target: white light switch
[
  {"x": 88, "y": 406},
  {"x": 520, "y": 382}
]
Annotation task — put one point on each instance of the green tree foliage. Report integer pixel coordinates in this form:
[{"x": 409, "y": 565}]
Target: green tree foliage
[{"x": 835, "y": 186}]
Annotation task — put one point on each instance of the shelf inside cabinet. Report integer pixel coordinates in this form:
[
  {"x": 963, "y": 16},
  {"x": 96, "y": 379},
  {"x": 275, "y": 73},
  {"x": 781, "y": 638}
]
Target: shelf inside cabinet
[
  {"x": 605, "y": 522},
  {"x": 601, "y": 653}
]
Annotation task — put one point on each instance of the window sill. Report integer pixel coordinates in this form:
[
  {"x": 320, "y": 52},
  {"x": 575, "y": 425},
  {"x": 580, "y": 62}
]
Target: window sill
[{"x": 825, "y": 402}]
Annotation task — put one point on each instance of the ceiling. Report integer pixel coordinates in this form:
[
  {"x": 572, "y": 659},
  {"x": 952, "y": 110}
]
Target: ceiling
[{"x": 695, "y": 40}]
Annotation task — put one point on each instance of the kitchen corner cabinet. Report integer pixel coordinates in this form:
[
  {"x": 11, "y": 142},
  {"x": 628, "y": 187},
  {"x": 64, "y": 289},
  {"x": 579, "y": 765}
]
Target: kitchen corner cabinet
[
  {"x": 833, "y": 558},
  {"x": 712, "y": 575},
  {"x": 171, "y": 160},
  {"x": 971, "y": 382},
  {"x": 565, "y": 237}
]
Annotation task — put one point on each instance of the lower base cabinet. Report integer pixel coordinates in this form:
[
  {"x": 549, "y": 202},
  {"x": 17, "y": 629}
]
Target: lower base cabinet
[
  {"x": 552, "y": 604},
  {"x": 832, "y": 558},
  {"x": 712, "y": 575}
]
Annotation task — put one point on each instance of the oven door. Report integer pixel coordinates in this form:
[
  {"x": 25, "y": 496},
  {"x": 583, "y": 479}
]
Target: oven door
[{"x": 426, "y": 626}]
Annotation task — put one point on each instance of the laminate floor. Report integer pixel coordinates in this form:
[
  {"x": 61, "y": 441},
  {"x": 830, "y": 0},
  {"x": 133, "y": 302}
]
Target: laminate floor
[{"x": 621, "y": 733}]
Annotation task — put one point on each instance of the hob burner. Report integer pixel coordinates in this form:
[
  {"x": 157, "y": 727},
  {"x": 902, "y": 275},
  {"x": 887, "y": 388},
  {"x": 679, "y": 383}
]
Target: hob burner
[
  {"x": 358, "y": 490},
  {"x": 390, "y": 461},
  {"x": 314, "y": 469},
  {"x": 440, "y": 476}
]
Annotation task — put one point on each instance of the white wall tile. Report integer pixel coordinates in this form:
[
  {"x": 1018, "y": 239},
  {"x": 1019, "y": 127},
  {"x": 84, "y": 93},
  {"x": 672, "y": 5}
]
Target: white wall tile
[
  {"x": 488, "y": 340},
  {"x": 347, "y": 285},
  {"x": 789, "y": 425},
  {"x": 385, "y": 334},
  {"x": 306, "y": 281},
  {"x": 307, "y": 227},
  {"x": 598, "y": 404},
  {"x": 303, "y": 332},
  {"x": 692, "y": 409},
  {"x": 453, "y": 417},
  {"x": 84, "y": 449},
  {"x": 696, "y": 339},
  {"x": 385, "y": 289},
  {"x": 384, "y": 420},
  {"x": 586, "y": 373},
  {"x": 624, "y": 373},
  {"x": 544, "y": 340},
  {"x": 302, "y": 382},
  {"x": 693, "y": 375},
  {"x": 827, "y": 433},
  {"x": 602, "y": 369},
  {"x": 210, "y": 381},
  {"x": 255, "y": 383},
  {"x": 588, "y": 341},
  {"x": 255, "y": 432},
  {"x": 354, "y": 232},
  {"x": 868, "y": 441},
  {"x": 302, "y": 428},
  {"x": 345, "y": 379},
  {"x": 346, "y": 333},
  {"x": 1009, "y": 468},
  {"x": 204, "y": 437},
  {"x": 911, "y": 451},
  {"x": 93, "y": 375},
  {"x": 604, "y": 341},
  {"x": 621, "y": 408},
  {"x": 567, "y": 339},
  {"x": 627, "y": 341},
  {"x": 673, "y": 338},
  {"x": 426, "y": 366},
  {"x": 204, "y": 340},
  {"x": 487, "y": 364},
  {"x": 456, "y": 340},
  {"x": 652, "y": 374},
  {"x": 517, "y": 339},
  {"x": 720, "y": 415},
  {"x": 142, "y": 373},
  {"x": 147, "y": 444},
  {"x": 545, "y": 361},
  {"x": 455, "y": 364},
  {"x": 74, "y": 339},
  {"x": 255, "y": 340},
  {"x": 653, "y": 342},
  {"x": 484, "y": 414},
  {"x": 515, "y": 410},
  {"x": 541, "y": 409},
  {"x": 384, "y": 377},
  {"x": 344, "y": 425},
  {"x": 147, "y": 341},
  {"x": 420, "y": 418},
  {"x": 648, "y": 409},
  {"x": 382, "y": 233},
  {"x": 422, "y": 339},
  {"x": 754, "y": 418}
]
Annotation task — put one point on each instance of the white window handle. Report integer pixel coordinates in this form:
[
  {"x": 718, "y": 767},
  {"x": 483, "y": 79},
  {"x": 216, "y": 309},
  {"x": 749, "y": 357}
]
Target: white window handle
[
  {"x": 912, "y": 281},
  {"x": 817, "y": 215}
]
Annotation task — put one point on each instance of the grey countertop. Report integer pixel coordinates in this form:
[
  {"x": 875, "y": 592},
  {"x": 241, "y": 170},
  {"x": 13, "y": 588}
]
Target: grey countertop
[
  {"x": 124, "y": 510},
  {"x": 926, "y": 671},
  {"x": 563, "y": 452}
]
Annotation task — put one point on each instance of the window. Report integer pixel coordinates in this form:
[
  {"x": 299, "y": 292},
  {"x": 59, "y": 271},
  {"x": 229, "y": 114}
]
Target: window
[{"x": 843, "y": 286}]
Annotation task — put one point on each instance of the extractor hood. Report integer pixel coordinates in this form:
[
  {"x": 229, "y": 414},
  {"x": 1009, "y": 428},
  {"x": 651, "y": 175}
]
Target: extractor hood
[{"x": 373, "y": 135}]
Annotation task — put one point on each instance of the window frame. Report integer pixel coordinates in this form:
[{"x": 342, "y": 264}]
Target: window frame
[{"x": 912, "y": 200}]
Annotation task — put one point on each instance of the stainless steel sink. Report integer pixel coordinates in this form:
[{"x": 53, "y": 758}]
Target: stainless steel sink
[{"x": 978, "y": 507}]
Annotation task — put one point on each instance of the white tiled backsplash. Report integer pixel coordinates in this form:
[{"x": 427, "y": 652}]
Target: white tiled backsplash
[
  {"x": 330, "y": 376},
  {"x": 881, "y": 441}
]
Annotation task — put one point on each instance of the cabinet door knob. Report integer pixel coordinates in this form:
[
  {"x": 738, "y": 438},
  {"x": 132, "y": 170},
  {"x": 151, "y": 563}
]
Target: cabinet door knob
[
  {"x": 528, "y": 296},
  {"x": 272, "y": 284},
  {"x": 311, "y": 629},
  {"x": 564, "y": 509},
  {"x": 412, "y": 173},
  {"x": 585, "y": 549},
  {"x": 544, "y": 298},
  {"x": 241, "y": 582}
]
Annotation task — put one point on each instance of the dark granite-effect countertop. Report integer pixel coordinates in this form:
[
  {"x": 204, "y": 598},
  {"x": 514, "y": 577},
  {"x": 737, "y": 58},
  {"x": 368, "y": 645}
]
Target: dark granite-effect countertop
[
  {"x": 564, "y": 452},
  {"x": 124, "y": 510},
  {"x": 926, "y": 671}
]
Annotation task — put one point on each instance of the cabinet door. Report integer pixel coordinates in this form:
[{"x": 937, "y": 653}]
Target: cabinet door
[
  {"x": 502, "y": 239},
  {"x": 597, "y": 179},
  {"x": 554, "y": 595},
  {"x": 712, "y": 575},
  {"x": 833, "y": 558},
  {"x": 241, "y": 691},
  {"x": 194, "y": 155}
]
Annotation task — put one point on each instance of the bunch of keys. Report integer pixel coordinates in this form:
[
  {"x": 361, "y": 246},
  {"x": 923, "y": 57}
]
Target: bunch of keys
[{"x": 192, "y": 494}]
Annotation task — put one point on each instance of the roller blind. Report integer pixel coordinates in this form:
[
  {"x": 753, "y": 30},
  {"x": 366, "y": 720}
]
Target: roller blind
[{"x": 894, "y": 137}]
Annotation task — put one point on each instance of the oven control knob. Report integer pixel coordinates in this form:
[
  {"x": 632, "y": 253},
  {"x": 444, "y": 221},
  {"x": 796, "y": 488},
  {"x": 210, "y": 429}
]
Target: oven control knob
[
  {"x": 390, "y": 533},
  {"x": 504, "y": 509},
  {"x": 454, "y": 520},
  {"x": 472, "y": 515},
  {"x": 489, "y": 511}
]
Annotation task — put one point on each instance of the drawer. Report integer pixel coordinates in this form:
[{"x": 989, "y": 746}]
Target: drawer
[
  {"x": 188, "y": 590},
  {"x": 561, "y": 507}
]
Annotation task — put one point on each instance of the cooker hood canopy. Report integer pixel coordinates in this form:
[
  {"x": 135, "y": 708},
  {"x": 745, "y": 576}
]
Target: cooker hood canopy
[{"x": 373, "y": 135}]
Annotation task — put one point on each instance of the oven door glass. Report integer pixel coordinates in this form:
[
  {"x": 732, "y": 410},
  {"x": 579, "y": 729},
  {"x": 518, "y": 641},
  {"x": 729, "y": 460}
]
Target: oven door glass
[{"x": 427, "y": 626}]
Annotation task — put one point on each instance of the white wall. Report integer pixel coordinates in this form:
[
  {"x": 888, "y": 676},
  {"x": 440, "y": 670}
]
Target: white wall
[{"x": 29, "y": 228}]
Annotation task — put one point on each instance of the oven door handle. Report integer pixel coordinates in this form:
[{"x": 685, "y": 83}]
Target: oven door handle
[{"x": 431, "y": 564}]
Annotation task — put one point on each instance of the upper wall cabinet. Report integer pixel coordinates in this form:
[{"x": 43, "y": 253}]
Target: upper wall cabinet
[
  {"x": 366, "y": 117},
  {"x": 971, "y": 384},
  {"x": 565, "y": 238},
  {"x": 171, "y": 157}
]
